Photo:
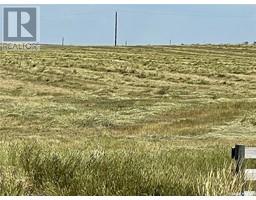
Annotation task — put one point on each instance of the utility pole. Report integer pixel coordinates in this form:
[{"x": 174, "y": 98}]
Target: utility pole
[
  {"x": 170, "y": 42},
  {"x": 115, "y": 29},
  {"x": 62, "y": 41},
  {"x": 126, "y": 43}
]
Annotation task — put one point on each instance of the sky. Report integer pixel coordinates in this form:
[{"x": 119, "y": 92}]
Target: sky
[{"x": 147, "y": 24}]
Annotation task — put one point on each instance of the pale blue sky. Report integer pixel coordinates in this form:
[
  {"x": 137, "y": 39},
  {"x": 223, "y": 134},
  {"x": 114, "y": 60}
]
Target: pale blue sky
[{"x": 148, "y": 24}]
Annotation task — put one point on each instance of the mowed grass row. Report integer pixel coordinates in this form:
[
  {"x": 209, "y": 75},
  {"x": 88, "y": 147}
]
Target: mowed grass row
[{"x": 125, "y": 121}]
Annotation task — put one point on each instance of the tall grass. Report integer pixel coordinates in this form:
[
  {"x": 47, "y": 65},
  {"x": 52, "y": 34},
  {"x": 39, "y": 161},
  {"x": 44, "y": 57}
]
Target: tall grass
[{"x": 47, "y": 171}]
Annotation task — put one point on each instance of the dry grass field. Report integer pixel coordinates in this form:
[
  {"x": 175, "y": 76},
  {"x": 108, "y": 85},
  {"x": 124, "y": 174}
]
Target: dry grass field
[{"x": 151, "y": 120}]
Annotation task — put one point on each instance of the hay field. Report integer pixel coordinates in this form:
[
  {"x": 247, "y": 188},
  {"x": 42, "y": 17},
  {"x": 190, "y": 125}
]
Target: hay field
[{"x": 149, "y": 120}]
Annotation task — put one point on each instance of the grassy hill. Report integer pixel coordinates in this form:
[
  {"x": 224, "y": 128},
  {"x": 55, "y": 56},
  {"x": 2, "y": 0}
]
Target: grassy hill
[{"x": 153, "y": 120}]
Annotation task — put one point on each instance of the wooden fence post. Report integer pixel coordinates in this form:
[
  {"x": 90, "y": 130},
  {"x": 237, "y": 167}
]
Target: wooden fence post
[{"x": 239, "y": 155}]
